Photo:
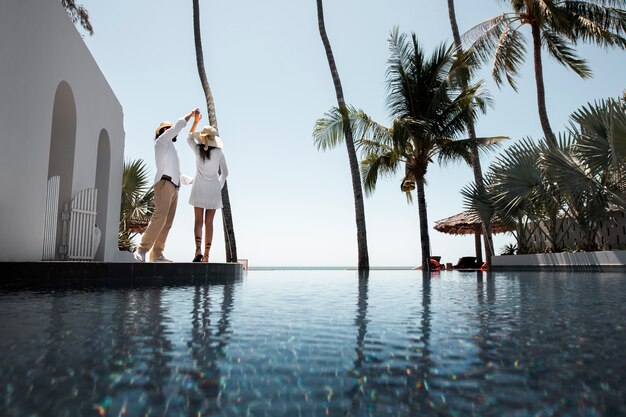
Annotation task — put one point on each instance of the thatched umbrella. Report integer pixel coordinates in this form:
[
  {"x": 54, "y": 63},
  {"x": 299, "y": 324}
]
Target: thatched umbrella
[{"x": 469, "y": 222}]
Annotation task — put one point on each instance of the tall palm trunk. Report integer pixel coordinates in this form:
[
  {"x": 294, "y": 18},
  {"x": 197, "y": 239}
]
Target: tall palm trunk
[
  {"x": 423, "y": 217},
  {"x": 363, "y": 262},
  {"x": 541, "y": 93},
  {"x": 229, "y": 231},
  {"x": 478, "y": 175}
]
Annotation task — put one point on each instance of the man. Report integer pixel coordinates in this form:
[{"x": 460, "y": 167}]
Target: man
[{"x": 166, "y": 185}]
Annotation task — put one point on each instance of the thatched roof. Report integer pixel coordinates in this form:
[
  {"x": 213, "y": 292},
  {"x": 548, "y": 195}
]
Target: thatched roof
[{"x": 467, "y": 222}]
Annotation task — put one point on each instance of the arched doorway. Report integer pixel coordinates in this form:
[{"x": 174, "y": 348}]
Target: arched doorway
[
  {"x": 62, "y": 149},
  {"x": 103, "y": 170}
]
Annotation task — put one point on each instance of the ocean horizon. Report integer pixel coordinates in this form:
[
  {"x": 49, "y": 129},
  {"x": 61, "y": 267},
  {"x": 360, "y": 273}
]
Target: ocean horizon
[{"x": 326, "y": 268}]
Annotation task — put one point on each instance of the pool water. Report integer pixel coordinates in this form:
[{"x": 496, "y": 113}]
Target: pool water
[{"x": 321, "y": 343}]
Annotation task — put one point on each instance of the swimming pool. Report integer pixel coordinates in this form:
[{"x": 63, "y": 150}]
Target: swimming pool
[{"x": 318, "y": 343}]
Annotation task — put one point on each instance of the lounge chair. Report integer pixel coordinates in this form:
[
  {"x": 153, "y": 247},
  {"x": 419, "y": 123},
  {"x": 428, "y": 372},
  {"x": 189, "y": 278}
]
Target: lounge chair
[{"x": 468, "y": 262}]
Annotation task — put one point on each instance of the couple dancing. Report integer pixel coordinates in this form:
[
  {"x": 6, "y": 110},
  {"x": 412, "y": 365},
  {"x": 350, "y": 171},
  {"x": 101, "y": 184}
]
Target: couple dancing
[{"x": 206, "y": 191}]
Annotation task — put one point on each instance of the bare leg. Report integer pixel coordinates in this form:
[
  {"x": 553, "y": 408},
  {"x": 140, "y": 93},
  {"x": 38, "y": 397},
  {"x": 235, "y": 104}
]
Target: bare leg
[
  {"x": 197, "y": 228},
  {"x": 209, "y": 214}
]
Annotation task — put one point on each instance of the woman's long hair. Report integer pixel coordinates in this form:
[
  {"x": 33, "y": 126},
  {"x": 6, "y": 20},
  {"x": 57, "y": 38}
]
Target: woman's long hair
[{"x": 205, "y": 154}]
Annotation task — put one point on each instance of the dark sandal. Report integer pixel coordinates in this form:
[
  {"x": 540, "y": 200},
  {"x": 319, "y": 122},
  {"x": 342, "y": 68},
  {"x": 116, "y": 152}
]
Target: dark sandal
[{"x": 197, "y": 258}]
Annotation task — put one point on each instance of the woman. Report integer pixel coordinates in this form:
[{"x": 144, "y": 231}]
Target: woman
[{"x": 206, "y": 192}]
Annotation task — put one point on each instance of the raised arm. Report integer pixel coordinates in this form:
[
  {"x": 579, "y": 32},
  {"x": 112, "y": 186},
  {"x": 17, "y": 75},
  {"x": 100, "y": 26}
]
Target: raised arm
[
  {"x": 191, "y": 113},
  {"x": 173, "y": 131},
  {"x": 196, "y": 119}
]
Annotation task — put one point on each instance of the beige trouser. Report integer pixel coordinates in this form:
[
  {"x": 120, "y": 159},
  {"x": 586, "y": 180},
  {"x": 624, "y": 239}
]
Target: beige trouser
[{"x": 165, "y": 199}]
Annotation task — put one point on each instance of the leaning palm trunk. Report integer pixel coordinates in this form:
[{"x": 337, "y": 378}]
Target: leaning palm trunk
[
  {"x": 471, "y": 132},
  {"x": 363, "y": 262},
  {"x": 227, "y": 218},
  {"x": 424, "y": 237},
  {"x": 541, "y": 92}
]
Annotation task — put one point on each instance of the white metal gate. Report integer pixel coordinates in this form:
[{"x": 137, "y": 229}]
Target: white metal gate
[
  {"x": 81, "y": 240},
  {"x": 50, "y": 218}
]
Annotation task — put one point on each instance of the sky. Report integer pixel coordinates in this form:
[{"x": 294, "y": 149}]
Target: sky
[{"x": 293, "y": 205}]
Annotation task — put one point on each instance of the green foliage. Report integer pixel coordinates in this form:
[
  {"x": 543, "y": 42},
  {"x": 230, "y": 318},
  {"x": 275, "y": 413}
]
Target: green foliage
[
  {"x": 137, "y": 203},
  {"x": 508, "y": 249},
  {"x": 561, "y": 25},
  {"x": 581, "y": 179},
  {"x": 78, "y": 14},
  {"x": 430, "y": 102}
]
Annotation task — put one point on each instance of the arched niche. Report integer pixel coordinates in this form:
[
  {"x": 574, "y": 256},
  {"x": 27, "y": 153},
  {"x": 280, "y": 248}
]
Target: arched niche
[
  {"x": 103, "y": 171},
  {"x": 62, "y": 150}
]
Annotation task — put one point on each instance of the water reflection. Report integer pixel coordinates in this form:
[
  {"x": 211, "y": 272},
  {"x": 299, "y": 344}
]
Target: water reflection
[
  {"x": 206, "y": 347},
  {"x": 357, "y": 391},
  {"x": 139, "y": 372},
  {"x": 393, "y": 380},
  {"x": 109, "y": 353},
  {"x": 332, "y": 343}
]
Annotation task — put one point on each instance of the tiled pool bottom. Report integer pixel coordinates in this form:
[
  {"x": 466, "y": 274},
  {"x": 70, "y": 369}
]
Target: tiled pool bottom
[{"x": 321, "y": 343}]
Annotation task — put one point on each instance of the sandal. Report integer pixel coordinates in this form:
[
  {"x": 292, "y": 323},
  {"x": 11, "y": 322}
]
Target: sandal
[{"x": 198, "y": 256}]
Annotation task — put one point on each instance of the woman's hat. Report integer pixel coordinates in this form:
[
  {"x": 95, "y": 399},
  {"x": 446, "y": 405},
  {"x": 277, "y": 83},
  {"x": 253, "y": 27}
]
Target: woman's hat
[
  {"x": 208, "y": 137},
  {"x": 161, "y": 126}
]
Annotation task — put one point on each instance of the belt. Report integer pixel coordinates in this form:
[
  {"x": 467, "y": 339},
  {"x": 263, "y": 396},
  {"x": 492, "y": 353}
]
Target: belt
[{"x": 168, "y": 178}]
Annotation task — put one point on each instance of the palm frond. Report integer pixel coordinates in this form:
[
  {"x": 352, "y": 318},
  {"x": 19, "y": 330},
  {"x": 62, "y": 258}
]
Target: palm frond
[
  {"x": 483, "y": 38},
  {"x": 375, "y": 165},
  {"x": 508, "y": 57},
  {"x": 559, "y": 48},
  {"x": 328, "y": 130},
  {"x": 478, "y": 202},
  {"x": 601, "y": 145},
  {"x": 597, "y": 21},
  {"x": 366, "y": 129},
  {"x": 137, "y": 201}
]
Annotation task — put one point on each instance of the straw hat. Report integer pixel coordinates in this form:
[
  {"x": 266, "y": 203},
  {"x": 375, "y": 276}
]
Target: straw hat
[
  {"x": 161, "y": 126},
  {"x": 208, "y": 137}
]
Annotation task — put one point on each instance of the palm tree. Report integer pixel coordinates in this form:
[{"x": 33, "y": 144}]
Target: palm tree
[
  {"x": 429, "y": 108},
  {"x": 556, "y": 26},
  {"x": 543, "y": 187},
  {"x": 227, "y": 217},
  {"x": 363, "y": 257},
  {"x": 593, "y": 173},
  {"x": 78, "y": 14},
  {"x": 476, "y": 167},
  {"x": 600, "y": 131},
  {"x": 523, "y": 189},
  {"x": 137, "y": 203}
]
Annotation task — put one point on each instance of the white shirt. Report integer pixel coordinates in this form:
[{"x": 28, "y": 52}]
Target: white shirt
[
  {"x": 167, "y": 162},
  {"x": 209, "y": 170}
]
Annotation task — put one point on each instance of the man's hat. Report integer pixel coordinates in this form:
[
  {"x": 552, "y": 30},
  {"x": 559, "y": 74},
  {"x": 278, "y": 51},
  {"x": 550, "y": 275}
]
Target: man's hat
[{"x": 161, "y": 126}]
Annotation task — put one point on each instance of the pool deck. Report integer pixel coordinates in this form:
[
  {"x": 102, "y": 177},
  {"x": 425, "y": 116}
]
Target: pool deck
[{"x": 105, "y": 274}]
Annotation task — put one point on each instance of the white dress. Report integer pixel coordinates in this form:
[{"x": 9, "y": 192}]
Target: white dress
[{"x": 206, "y": 191}]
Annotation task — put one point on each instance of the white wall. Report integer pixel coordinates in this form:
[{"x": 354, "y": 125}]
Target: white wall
[
  {"x": 612, "y": 235},
  {"x": 39, "y": 49},
  {"x": 575, "y": 260}
]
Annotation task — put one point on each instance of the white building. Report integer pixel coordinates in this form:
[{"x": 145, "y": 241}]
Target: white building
[{"x": 58, "y": 117}]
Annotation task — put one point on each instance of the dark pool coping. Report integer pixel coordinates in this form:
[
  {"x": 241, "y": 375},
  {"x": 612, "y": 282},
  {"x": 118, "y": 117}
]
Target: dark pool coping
[{"x": 105, "y": 274}]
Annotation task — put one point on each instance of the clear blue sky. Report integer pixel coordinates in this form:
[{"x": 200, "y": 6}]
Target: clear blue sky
[{"x": 291, "y": 204}]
